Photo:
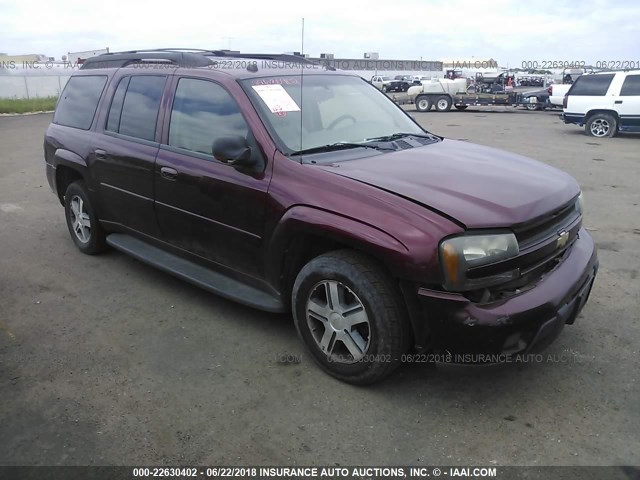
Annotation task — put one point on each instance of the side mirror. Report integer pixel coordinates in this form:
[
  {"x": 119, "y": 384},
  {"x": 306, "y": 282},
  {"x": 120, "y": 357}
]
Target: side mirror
[{"x": 233, "y": 150}]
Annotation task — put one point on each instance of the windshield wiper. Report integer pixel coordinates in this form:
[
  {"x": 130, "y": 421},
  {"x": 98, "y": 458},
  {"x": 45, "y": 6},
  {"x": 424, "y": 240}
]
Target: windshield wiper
[
  {"x": 339, "y": 146},
  {"x": 396, "y": 136}
]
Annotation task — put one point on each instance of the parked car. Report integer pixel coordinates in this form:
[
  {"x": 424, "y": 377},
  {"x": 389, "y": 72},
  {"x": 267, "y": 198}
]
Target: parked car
[
  {"x": 605, "y": 103},
  {"x": 536, "y": 99},
  {"x": 380, "y": 237},
  {"x": 386, "y": 84},
  {"x": 406, "y": 82}
]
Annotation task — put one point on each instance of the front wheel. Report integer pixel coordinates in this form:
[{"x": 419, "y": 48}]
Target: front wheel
[
  {"x": 82, "y": 222},
  {"x": 350, "y": 317},
  {"x": 601, "y": 125},
  {"x": 384, "y": 88}
]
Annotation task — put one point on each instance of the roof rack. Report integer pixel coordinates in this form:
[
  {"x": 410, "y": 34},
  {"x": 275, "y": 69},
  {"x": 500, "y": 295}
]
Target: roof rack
[{"x": 180, "y": 57}]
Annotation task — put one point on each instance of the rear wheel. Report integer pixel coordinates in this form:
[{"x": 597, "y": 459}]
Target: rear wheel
[
  {"x": 350, "y": 317},
  {"x": 601, "y": 125},
  {"x": 443, "y": 104},
  {"x": 461, "y": 107},
  {"x": 82, "y": 222},
  {"x": 423, "y": 103}
]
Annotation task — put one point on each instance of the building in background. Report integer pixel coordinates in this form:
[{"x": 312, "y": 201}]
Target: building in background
[
  {"x": 80, "y": 57},
  {"x": 22, "y": 59}
]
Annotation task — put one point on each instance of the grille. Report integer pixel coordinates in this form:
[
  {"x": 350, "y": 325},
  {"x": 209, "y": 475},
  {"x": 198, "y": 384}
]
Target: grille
[
  {"x": 540, "y": 249},
  {"x": 533, "y": 233}
]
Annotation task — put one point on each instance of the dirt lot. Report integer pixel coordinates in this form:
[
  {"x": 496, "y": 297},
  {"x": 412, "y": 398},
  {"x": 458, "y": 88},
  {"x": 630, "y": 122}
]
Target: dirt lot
[{"x": 107, "y": 361}]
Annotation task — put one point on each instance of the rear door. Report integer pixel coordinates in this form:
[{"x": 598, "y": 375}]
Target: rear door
[
  {"x": 627, "y": 104},
  {"x": 124, "y": 156},
  {"x": 204, "y": 206}
]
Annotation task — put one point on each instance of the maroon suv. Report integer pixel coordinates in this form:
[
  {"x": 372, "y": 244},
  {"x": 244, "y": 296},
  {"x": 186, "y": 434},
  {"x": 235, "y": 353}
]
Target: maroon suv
[{"x": 277, "y": 183}]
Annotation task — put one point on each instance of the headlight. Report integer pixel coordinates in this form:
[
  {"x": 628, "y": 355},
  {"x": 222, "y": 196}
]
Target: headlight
[
  {"x": 580, "y": 204},
  {"x": 460, "y": 254}
]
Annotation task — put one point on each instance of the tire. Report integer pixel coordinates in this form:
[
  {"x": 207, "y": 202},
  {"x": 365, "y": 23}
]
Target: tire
[
  {"x": 601, "y": 125},
  {"x": 423, "y": 103},
  {"x": 462, "y": 108},
  {"x": 86, "y": 233},
  {"x": 359, "y": 353},
  {"x": 443, "y": 104},
  {"x": 533, "y": 106},
  {"x": 384, "y": 89}
]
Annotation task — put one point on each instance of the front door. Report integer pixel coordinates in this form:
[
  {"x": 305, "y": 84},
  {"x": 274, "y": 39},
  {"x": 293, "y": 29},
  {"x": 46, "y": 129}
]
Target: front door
[{"x": 204, "y": 206}]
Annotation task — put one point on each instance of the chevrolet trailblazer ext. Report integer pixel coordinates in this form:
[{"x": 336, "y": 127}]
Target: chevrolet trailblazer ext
[{"x": 311, "y": 192}]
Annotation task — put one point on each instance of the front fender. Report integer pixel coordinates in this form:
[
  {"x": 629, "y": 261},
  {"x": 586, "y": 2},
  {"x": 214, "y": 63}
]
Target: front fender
[{"x": 302, "y": 219}]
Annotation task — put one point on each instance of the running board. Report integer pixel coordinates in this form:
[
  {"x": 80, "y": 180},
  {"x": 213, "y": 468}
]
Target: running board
[{"x": 198, "y": 275}]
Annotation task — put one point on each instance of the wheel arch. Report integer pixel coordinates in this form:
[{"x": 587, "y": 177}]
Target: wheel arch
[
  {"x": 304, "y": 233},
  {"x": 595, "y": 111},
  {"x": 69, "y": 168}
]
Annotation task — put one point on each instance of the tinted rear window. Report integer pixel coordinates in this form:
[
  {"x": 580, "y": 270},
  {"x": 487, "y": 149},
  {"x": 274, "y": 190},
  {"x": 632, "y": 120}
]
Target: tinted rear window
[
  {"x": 140, "y": 107},
  {"x": 79, "y": 101},
  {"x": 631, "y": 86},
  {"x": 591, "y": 85},
  {"x": 113, "y": 121}
]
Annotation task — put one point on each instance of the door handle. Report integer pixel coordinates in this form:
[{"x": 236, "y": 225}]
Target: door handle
[
  {"x": 168, "y": 173},
  {"x": 101, "y": 154},
  {"x": 617, "y": 102}
]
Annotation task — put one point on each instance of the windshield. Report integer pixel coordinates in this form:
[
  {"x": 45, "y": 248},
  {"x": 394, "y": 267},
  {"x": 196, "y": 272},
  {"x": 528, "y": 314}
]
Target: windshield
[{"x": 333, "y": 109}]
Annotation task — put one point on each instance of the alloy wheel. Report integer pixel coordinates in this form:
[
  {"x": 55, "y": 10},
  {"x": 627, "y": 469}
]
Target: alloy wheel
[{"x": 338, "y": 322}]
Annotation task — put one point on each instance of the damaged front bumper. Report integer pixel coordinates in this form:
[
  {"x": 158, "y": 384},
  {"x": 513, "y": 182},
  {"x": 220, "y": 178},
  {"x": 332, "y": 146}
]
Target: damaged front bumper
[{"x": 526, "y": 322}]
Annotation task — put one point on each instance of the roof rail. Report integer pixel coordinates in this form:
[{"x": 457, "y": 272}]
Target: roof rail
[
  {"x": 177, "y": 57},
  {"x": 180, "y": 57}
]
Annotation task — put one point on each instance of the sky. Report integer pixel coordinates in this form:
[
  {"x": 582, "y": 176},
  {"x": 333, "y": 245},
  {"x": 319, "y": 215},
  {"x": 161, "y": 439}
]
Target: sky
[{"x": 510, "y": 32}]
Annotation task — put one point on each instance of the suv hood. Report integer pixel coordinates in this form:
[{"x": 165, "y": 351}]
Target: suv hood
[{"x": 476, "y": 185}]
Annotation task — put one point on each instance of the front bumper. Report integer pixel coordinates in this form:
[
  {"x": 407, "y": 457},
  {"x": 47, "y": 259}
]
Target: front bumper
[{"x": 526, "y": 322}]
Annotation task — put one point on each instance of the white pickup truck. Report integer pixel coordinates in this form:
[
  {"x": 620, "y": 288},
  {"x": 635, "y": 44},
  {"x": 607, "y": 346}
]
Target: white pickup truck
[{"x": 558, "y": 91}]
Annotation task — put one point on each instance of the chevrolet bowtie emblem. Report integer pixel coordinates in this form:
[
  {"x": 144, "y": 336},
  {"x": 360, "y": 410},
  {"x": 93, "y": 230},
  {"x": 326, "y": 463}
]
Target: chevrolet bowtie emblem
[{"x": 563, "y": 238}]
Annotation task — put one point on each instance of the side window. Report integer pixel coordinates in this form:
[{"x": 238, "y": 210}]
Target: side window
[
  {"x": 135, "y": 105},
  {"x": 79, "y": 101},
  {"x": 203, "y": 111},
  {"x": 631, "y": 86},
  {"x": 591, "y": 85},
  {"x": 113, "y": 121}
]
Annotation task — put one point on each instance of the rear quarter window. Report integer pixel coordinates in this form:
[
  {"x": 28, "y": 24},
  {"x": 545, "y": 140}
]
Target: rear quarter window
[
  {"x": 631, "y": 86},
  {"x": 79, "y": 101},
  {"x": 591, "y": 85}
]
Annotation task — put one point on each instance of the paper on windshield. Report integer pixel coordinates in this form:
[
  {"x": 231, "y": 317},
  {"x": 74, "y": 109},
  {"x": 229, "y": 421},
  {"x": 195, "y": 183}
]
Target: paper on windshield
[{"x": 276, "y": 98}]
